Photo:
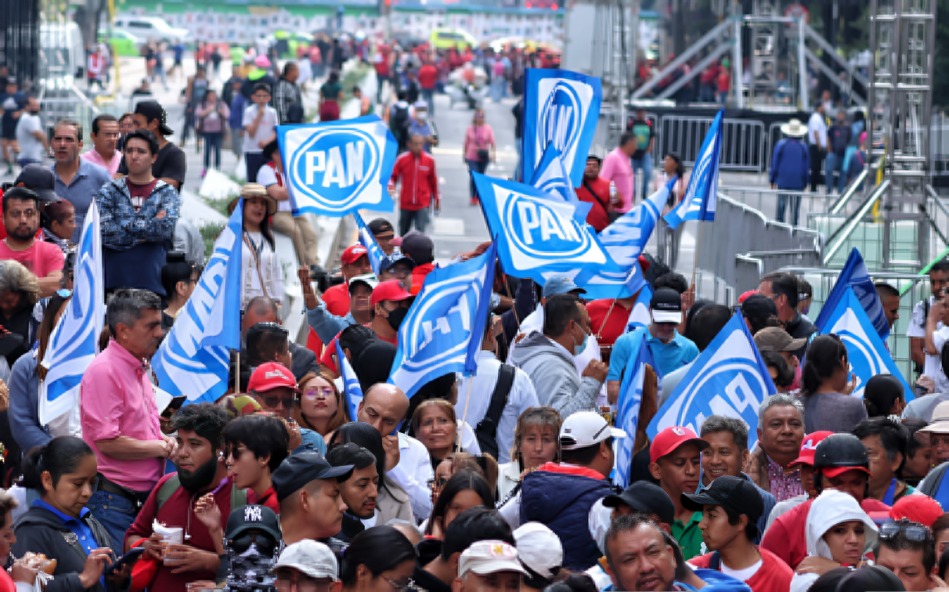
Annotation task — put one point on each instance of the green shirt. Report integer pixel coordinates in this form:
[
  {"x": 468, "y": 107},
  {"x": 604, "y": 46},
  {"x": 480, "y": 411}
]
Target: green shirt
[{"x": 689, "y": 536}]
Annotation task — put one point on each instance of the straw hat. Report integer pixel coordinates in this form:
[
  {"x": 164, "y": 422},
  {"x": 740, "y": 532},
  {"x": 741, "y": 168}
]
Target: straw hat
[
  {"x": 794, "y": 129},
  {"x": 254, "y": 190}
]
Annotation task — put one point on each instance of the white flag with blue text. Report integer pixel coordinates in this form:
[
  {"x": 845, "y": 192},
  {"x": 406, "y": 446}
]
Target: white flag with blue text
[
  {"x": 626, "y": 237},
  {"x": 701, "y": 195},
  {"x": 561, "y": 108},
  {"x": 443, "y": 329},
  {"x": 337, "y": 167},
  {"x": 74, "y": 341},
  {"x": 552, "y": 178},
  {"x": 866, "y": 352},
  {"x": 193, "y": 359},
  {"x": 537, "y": 236},
  {"x": 352, "y": 390},
  {"x": 728, "y": 378},
  {"x": 368, "y": 240},
  {"x": 627, "y": 408}
]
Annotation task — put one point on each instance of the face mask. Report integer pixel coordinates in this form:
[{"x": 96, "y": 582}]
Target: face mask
[
  {"x": 396, "y": 317},
  {"x": 578, "y": 349},
  {"x": 421, "y": 116}
]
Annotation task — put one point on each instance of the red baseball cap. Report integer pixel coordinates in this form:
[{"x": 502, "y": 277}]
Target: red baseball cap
[
  {"x": 270, "y": 376},
  {"x": 808, "y": 448},
  {"x": 353, "y": 253},
  {"x": 392, "y": 290},
  {"x": 917, "y": 508},
  {"x": 670, "y": 439}
]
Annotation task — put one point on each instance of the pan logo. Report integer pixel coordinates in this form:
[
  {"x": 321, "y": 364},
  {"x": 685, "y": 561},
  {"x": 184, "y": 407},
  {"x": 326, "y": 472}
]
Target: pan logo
[
  {"x": 335, "y": 165},
  {"x": 560, "y": 117},
  {"x": 738, "y": 389},
  {"x": 544, "y": 229}
]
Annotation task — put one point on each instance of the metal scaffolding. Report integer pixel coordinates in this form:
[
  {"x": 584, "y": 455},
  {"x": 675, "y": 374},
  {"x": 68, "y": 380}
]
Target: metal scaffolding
[{"x": 902, "y": 35}]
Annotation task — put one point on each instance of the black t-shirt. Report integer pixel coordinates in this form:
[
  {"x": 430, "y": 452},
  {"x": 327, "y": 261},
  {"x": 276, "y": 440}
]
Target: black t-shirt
[
  {"x": 171, "y": 163},
  {"x": 427, "y": 581}
]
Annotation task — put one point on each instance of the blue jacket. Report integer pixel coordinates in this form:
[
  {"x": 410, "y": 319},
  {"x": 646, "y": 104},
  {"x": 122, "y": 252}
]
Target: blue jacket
[
  {"x": 24, "y": 404},
  {"x": 790, "y": 164},
  {"x": 560, "y": 497}
]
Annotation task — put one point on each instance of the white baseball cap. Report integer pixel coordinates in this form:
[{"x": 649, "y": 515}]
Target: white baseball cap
[
  {"x": 310, "y": 558},
  {"x": 488, "y": 557},
  {"x": 586, "y": 428},
  {"x": 539, "y": 549}
]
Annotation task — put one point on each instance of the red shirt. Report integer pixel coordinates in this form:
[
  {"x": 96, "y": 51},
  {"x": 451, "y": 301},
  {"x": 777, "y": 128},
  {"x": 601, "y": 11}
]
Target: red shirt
[
  {"x": 785, "y": 538},
  {"x": 41, "y": 258},
  {"x": 178, "y": 510},
  {"x": 269, "y": 499},
  {"x": 773, "y": 575},
  {"x": 336, "y": 299},
  {"x": 427, "y": 76},
  {"x": 419, "y": 272},
  {"x": 597, "y": 192},
  {"x": 419, "y": 181},
  {"x": 608, "y": 324}
]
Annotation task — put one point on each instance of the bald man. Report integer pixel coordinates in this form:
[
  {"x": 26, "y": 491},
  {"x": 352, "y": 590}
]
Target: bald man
[{"x": 384, "y": 407}]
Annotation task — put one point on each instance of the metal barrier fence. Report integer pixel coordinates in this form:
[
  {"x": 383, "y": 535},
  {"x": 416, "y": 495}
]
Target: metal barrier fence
[
  {"x": 74, "y": 105},
  {"x": 743, "y": 142},
  {"x": 766, "y": 200}
]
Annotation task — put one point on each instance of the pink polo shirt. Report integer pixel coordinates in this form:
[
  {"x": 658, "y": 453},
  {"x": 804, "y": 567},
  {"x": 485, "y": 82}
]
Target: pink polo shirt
[
  {"x": 117, "y": 400},
  {"x": 617, "y": 167},
  {"x": 96, "y": 159}
]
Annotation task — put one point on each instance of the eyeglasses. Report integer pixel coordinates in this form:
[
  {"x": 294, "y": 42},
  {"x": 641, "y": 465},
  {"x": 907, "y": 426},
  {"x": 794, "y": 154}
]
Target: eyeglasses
[
  {"x": 398, "y": 586},
  {"x": 235, "y": 453},
  {"x": 437, "y": 483},
  {"x": 912, "y": 531},
  {"x": 274, "y": 400},
  {"x": 324, "y": 392}
]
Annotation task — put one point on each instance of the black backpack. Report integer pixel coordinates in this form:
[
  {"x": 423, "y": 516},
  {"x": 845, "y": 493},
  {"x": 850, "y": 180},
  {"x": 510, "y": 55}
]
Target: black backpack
[
  {"x": 487, "y": 430},
  {"x": 399, "y": 122}
]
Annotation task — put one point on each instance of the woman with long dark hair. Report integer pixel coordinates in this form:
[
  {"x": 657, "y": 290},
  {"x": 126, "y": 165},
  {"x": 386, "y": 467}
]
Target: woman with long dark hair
[
  {"x": 379, "y": 559},
  {"x": 464, "y": 490},
  {"x": 826, "y": 387},
  {"x": 669, "y": 238},
  {"x": 261, "y": 273}
]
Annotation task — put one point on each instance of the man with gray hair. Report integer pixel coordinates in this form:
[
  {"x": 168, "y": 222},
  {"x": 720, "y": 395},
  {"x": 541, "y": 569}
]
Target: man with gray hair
[
  {"x": 118, "y": 414},
  {"x": 780, "y": 433},
  {"x": 727, "y": 453}
]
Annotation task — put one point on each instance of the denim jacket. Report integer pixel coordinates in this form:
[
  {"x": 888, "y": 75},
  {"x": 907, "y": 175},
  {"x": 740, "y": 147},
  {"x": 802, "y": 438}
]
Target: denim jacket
[{"x": 123, "y": 228}]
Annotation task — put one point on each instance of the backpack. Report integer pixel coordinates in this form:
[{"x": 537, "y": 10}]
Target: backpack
[
  {"x": 238, "y": 496},
  {"x": 399, "y": 122},
  {"x": 487, "y": 429}
]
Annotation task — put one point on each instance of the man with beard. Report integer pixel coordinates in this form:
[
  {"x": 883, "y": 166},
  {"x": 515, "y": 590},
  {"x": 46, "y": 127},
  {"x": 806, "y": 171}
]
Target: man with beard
[
  {"x": 360, "y": 491},
  {"x": 21, "y": 219},
  {"x": 122, "y": 428},
  {"x": 199, "y": 436}
]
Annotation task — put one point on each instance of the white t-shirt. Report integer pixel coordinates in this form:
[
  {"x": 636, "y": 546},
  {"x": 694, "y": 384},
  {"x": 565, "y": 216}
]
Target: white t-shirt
[
  {"x": 817, "y": 125},
  {"x": 265, "y": 130},
  {"x": 30, "y": 147},
  {"x": 742, "y": 575},
  {"x": 267, "y": 176}
]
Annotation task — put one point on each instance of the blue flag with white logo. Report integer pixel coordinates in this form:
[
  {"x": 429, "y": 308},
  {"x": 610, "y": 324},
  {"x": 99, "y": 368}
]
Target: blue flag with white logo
[
  {"x": 627, "y": 408},
  {"x": 537, "y": 236},
  {"x": 193, "y": 359},
  {"x": 443, "y": 330},
  {"x": 865, "y": 350},
  {"x": 701, "y": 195},
  {"x": 626, "y": 237},
  {"x": 728, "y": 378},
  {"x": 552, "y": 178},
  {"x": 561, "y": 108},
  {"x": 74, "y": 341},
  {"x": 611, "y": 280},
  {"x": 337, "y": 167},
  {"x": 352, "y": 390},
  {"x": 855, "y": 276},
  {"x": 368, "y": 240},
  {"x": 640, "y": 315}
]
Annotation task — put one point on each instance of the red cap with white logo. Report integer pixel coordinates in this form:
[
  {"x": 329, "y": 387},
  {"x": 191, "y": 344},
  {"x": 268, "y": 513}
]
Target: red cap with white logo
[
  {"x": 670, "y": 439},
  {"x": 808, "y": 448},
  {"x": 270, "y": 376}
]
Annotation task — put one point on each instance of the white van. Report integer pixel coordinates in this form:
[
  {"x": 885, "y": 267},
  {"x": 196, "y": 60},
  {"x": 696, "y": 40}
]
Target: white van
[
  {"x": 62, "y": 54},
  {"x": 150, "y": 28}
]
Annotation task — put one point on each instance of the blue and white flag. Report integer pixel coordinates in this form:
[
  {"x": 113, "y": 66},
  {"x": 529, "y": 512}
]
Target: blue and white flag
[
  {"x": 865, "y": 350},
  {"x": 552, "y": 178},
  {"x": 368, "y": 240},
  {"x": 352, "y": 390},
  {"x": 74, "y": 341},
  {"x": 641, "y": 314},
  {"x": 443, "y": 330},
  {"x": 855, "y": 276},
  {"x": 626, "y": 237},
  {"x": 337, "y": 167},
  {"x": 535, "y": 235},
  {"x": 701, "y": 195},
  {"x": 193, "y": 359},
  {"x": 728, "y": 378},
  {"x": 611, "y": 280},
  {"x": 561, "y": 108},
  {"x": 627, "y": 408}
]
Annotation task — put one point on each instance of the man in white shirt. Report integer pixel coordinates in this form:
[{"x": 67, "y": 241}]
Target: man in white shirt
[
  {"x": 260, "y": 129},
  {"x": 817, "y": 143},
  {"x": 475, "y": 394},
  {"x": 384, "y": 407},
  {"x": 30, "y": 135},
  {"x": 938, "y": 281}
]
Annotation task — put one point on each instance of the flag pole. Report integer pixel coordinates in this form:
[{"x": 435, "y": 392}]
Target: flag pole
[
  {"x": 237, "y": 373},
  {"x": 695, "y": 257}
]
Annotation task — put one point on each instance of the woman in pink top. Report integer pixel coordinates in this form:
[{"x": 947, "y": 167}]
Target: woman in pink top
[{"x": 480, "y": 149}]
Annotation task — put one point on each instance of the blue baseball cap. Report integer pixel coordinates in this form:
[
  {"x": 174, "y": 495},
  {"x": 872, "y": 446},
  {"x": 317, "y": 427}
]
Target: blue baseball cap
[
  {"x": 560, "y": 284},
  {"x": 391, "y": 260}
]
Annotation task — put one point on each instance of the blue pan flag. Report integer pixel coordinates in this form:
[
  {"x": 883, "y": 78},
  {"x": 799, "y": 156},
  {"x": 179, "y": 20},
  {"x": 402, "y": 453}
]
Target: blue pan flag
[
  {"x": 352, "y": 390},
  {"x": 552, "y": 178},
  {"x": 627, "y": 408},
  {"x": 368, "y": 240},
  {"x": 855, "y": 276},
  {"x": 626, "y": 237},
  {"x": 641, "y": 314},
  {"x": 701, "y": 195}
]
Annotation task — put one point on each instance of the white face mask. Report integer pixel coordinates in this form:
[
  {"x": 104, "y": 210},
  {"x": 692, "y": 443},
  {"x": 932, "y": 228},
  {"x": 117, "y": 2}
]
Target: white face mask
[{"x": 421, "y": 115}]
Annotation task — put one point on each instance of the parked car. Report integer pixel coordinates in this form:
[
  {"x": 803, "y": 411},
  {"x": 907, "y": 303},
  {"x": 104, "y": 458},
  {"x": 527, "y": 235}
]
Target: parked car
[
  {"x": 452, "y": 38},
  {"x": 123, "y": 43},
  {"x": 150, "y": 28}
]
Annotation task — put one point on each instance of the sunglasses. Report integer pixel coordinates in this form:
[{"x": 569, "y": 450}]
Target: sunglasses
[
  {"x": 274, "y": 400},
  {"x": 913, "y": 531},
  {"x": 264, "y": 543}
]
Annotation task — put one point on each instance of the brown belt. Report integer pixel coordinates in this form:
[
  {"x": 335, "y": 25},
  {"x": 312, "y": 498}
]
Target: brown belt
[{"x": 137, "y": 498}]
